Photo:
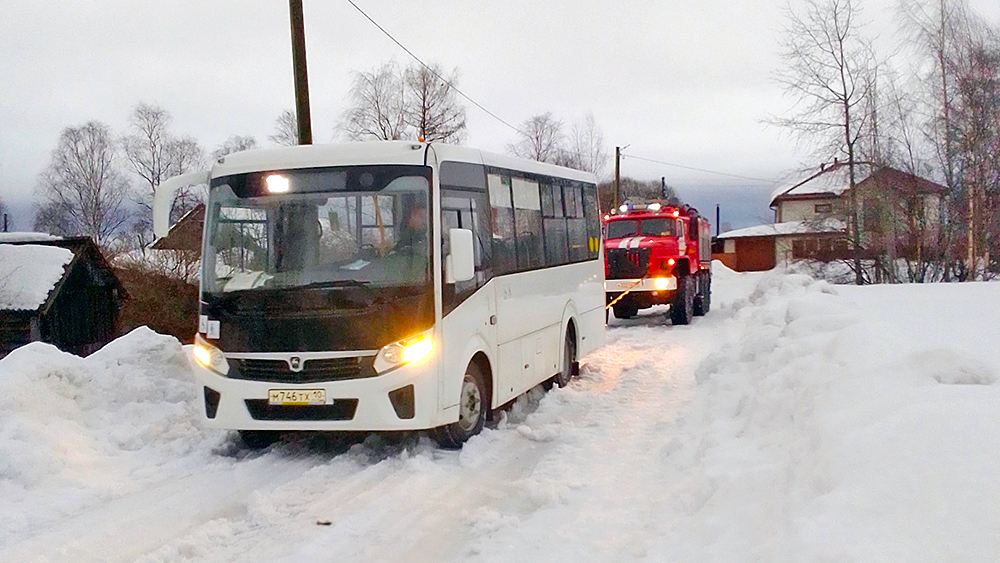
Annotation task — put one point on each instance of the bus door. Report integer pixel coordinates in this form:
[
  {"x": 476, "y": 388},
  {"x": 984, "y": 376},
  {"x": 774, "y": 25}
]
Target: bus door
[{"x": 468, "y": 314}]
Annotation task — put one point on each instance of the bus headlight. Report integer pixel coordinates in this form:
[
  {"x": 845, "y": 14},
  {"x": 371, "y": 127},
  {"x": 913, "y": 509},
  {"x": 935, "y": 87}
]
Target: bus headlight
[
  {"x": 661, "y": 283},
  {"x": 209, "y": 356},
  {"x": 406, "y": 351}
]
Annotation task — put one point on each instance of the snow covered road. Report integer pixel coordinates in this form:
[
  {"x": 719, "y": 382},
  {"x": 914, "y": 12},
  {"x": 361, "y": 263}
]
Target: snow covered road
[{"x": 798, "y": 421}]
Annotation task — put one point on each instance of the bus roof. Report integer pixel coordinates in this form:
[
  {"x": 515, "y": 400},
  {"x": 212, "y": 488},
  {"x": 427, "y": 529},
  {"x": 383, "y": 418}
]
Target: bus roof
[{"x": 379, "y": 152}]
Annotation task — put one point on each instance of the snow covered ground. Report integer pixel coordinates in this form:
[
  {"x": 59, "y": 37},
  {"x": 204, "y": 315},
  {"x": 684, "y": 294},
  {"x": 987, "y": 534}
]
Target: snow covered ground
[{"x": 798, "y": 421}]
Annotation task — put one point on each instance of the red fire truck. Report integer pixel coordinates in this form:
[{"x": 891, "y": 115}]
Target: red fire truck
[{"x": 656, "y": 254}]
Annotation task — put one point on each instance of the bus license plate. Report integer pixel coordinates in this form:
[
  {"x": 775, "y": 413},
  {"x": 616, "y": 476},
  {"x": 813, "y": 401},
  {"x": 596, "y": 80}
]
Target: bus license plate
[{"x": 296, "y": 396}]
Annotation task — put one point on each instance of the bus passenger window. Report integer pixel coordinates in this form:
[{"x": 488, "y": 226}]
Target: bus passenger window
[
  {"x": 528, "y": 223},
  {"x": 504, "y": 249}
]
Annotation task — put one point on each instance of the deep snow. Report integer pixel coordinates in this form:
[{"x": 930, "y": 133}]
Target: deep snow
[{"x": 798, "y": 421}]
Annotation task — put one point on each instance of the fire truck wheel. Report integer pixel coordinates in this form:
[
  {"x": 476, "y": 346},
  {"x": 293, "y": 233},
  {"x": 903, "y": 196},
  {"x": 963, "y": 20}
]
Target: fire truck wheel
[
  {"x": 625, "y": 311},
  {"x": 703, "y": 301},
  {"x": 682, "y": 309},
  {"x": 474, "y": 406},
  {"x": 569, "y": 358}
]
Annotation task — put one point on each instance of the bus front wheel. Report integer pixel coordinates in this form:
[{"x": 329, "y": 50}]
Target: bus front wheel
[{"x": 473, "y": 406}]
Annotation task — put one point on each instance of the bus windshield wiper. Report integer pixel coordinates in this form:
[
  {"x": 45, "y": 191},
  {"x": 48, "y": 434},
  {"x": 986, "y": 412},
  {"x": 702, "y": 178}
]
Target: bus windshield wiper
[{"x": 334, "y": 283}]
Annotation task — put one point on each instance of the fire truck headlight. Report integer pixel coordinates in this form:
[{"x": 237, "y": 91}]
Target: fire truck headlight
[
  {"x": 406, "y": 351},
  {"x": 662, "y": 283},
  {"x": 209, "y": 356}
]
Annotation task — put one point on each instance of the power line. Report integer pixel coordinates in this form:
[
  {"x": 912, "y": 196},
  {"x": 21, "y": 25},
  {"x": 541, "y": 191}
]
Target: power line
[
  {"x": 699, "y": 169},
  {"x": 434, "y": 72},
  {"x": 512, "y": 127}
]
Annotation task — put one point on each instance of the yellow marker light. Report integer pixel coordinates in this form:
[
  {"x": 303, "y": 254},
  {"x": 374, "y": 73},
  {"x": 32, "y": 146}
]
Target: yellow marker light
[
  {"x": 671, "y": 261},
  {"x": 277, "y": 184},
  {"x": 203, "y": 356},
  {"x": 418, "y": 350},
  {"x": 661, "y": 283}
]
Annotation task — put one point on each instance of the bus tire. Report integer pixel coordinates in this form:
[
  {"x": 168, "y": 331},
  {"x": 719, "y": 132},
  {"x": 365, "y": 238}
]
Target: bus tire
[
  {"x": 682, "y": 308},
  {"x": 473, "y": 408},
  {"x": 258, "y": 439},
  {"x": 568, "y": 359}
]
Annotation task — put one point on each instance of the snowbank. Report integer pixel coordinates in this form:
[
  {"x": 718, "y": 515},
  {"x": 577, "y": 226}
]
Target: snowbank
[{"x": 76, "y": 431}]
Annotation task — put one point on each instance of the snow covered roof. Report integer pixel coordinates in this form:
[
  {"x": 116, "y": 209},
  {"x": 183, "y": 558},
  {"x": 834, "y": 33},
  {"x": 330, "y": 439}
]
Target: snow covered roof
[
  {"x": 828, "y": 225},
  {"x": 27, "y": 237},
  {"x": 832, "y": 180},
  {"x": 28, "y": 273}
]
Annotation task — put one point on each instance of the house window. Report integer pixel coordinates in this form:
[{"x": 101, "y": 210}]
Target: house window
[
  {"x": 804, "y": 248},
  {"x": 823, "y": 208}
]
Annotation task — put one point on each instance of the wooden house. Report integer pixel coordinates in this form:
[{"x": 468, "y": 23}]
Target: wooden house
[
  {"x": 811, "y": 219},
  {"x": 56, "y": 290}
]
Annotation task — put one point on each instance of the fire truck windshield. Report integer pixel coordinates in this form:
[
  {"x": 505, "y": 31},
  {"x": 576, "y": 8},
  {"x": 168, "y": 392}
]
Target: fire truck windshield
[{"x": 651, "y": 227}]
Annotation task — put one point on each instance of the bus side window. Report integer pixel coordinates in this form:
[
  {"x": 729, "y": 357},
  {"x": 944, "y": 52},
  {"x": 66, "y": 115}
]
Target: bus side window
[
  {"x": 504, "y": 242},
  {"x": 467, "y": 180},
  {"x": 528, "y": 224},
  {"x": 576, "y": 225},
  {"x": 593, "y": 222},
  {"x": 554, "y": 225}
]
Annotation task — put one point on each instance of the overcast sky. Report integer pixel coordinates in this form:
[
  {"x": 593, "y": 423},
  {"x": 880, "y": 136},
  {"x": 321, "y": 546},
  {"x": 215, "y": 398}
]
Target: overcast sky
[{"x": 682, "y": 82}]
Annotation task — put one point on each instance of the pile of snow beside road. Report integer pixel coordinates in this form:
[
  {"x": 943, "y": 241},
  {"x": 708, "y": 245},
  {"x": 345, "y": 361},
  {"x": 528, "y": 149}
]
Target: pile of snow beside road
[
  {"x": 840, "y": 424},
  {"x": 822, "y": 423},
  {"x": 75, "y": 432}
]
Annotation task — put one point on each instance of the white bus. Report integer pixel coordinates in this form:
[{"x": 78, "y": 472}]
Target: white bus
[{"x": 389, "y": 286}]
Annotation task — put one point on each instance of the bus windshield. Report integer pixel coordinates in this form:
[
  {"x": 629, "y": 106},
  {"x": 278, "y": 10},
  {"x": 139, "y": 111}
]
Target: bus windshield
[{"x": 326, "y": 228}]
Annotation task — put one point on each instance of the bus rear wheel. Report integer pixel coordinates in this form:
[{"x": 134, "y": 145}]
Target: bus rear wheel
[
  {"x": 569, "y": 359},
  {"x": 473, "y": 407}
]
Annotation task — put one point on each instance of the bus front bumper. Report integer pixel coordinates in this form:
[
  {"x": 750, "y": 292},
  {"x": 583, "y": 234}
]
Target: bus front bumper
[{"x": 404, "y": 398}]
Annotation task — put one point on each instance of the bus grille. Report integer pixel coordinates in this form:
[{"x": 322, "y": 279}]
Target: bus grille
[
  {"x": 341, "y": 409},
  {"x": 316, "y": 370},
  {"x": 627, "y": 263}
]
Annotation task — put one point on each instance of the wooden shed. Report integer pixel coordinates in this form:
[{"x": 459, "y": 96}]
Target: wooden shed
[{"x": 56, "y": 290}]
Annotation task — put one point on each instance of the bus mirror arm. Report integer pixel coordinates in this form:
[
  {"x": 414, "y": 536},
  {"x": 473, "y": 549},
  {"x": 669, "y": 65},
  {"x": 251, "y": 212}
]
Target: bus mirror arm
[
  {"x": 163, "y": 198},
  {"x": 460, "y": 265}
]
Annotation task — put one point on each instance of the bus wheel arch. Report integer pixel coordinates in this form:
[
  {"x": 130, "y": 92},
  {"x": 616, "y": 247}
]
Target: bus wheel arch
[
  {"x": 483, "y": 363},
  {"x": 475, "y": 400}
]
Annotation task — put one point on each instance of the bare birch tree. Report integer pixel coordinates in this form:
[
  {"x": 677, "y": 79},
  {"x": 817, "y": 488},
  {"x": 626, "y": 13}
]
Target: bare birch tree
[
  {"x": 83, "y": 191},
  {"x": 542, "y": 139},
  {"x": 377, "y": 109},
  {"x": 286, "y": 130},
  {"x": 431, "y": 104},
  {"x": 828, "y": 68},
  {"x": 155, "y": 154},
  {"x": 235, "y": 143},
  {"x": 586, "y": 148}
]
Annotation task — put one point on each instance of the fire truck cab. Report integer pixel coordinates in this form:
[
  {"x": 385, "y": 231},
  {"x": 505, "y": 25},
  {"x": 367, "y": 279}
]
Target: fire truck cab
[{"x": 656, "y": 254}]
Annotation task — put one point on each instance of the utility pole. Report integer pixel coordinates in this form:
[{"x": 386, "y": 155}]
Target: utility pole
[
  {"x": 303, "y": 121},
  {"x": 663, "y": 187},
  {"x": 717, "y": 220},
  {"x": 618, "y": 195}
]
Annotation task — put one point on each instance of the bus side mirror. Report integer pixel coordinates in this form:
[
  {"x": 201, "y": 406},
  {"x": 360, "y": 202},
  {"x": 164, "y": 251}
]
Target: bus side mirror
[
  {"x": 163, "y": 198},
  {"x": 460, "y": 265}
]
